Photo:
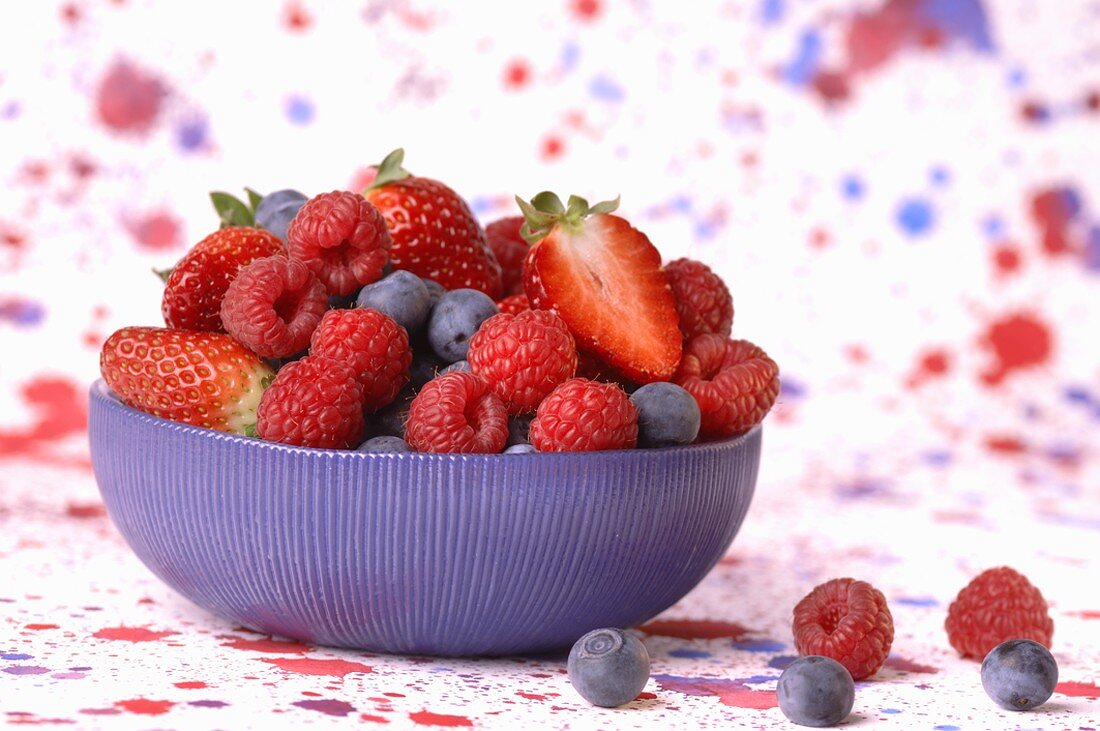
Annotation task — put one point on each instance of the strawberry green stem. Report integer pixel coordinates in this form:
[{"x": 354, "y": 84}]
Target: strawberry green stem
[
  {"x": 389, "y": 170},
  {"x": 546, "y": 211}
]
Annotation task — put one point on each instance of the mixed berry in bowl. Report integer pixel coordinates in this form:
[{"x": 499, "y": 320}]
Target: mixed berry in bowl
[{"x": 333, "y": 321}]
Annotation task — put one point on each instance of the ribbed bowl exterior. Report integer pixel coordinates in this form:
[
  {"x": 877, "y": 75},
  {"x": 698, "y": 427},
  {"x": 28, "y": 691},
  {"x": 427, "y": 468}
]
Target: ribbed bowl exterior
[{"x": 418, "y": 553}]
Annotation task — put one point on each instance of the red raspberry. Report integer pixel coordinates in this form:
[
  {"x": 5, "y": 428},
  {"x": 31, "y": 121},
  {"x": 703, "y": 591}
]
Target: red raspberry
[
  {"x": 514, "y": 305},
  {"x": 582, "y": 415},
  {"x": 998, "y": 605},
  {"x": 523, "y": 357},
  {"x": 510, "y": 250},
  {"x": 313, "y": 402},
  {"x": 273, "y": 305},
  {"x": 375, "y": 347},
  {"x": 457, "y": 412},
  {"x": 342, "y": 238},
  {"x": 702, "y": 299},
  {"x": 734, "y": 382},
  {"x": 846, "y": 620}
]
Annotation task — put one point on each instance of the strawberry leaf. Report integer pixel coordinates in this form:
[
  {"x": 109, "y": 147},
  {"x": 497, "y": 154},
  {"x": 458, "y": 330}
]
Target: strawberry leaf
[
  {"x": 254, "y": 199},
  {"x": 548, "y": 202},
  {"x": 604, "y": 207},
  {"x": 389, "y": 170},
  {"x": 163, "y": 273},
  {"x": 231, "y": 211}
]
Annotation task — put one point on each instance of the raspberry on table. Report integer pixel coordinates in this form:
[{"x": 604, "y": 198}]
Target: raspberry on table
[
  {"x": 523, "y": 357},
  {"x": 313, "y": 402},
  {"x": 999, "y": 604},
  {"x": 734, "y": 382},
  {"x": 702, "y": 299},
  {"x": 457, "y": 412},
  {"x": 373, "y": 345},
  {"x": 514, "y": 305},
  {"x": 846, "y": 620},
  {"x": 510, "y": 249},
  {"x": 273, "y": 306},
  {"x": 582, "y": 415},
  {"x": 342, "y": 238}
]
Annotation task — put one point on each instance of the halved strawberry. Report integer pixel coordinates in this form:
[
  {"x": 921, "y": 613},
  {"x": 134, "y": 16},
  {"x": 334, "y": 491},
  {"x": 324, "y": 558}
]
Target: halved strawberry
[{"x": 604, "y": 278}]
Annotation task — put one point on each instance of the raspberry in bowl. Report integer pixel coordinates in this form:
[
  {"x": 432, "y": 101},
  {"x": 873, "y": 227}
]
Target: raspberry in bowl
[{"x": 375, "y": 459}]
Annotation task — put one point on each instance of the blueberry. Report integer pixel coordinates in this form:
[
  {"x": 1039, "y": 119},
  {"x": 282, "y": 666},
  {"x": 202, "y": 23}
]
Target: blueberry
[
  {"x": 340, "y": 302},
  {"x": 1019, "y": 675},
  {"x": 667, "y": 415},
  {"x": 816, "y": 691},
  {"x": 608, "y": 667},
  {"x": 424, "y": 367},
  {"x": 276, "y": 210},
  {"x": 462, "y": 366},
  {"x": 520, "y": 449},
  {"x": 518, "y": 428},
  {"x": 385, "y": 444},
  {"x": 435, "y": 289},
  {"x": 390, "y": 421},
  {"x": 402, "y": 295},
  {"x": 455, "y": 319}
]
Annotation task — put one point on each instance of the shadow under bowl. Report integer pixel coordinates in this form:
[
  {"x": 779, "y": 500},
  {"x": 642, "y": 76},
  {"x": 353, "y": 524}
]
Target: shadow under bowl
[{"x": 428, "y": 554}]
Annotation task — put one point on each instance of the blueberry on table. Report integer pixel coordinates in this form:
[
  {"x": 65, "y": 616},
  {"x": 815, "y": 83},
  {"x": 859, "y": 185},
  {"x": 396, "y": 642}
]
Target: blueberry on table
[
  {"x": 276, "y": 210},
  {"x": 384, "y": 444},
  {"x": 667, "y": 415},
  {"x": 401, "y": 295},
  {"x": 455, "y": 319},
  {"x": 815, "y": 691},
  {"x": 608, "y": 667},
  {"x": 1019, "y": 674},
  {"x": 462, "y": 365}
]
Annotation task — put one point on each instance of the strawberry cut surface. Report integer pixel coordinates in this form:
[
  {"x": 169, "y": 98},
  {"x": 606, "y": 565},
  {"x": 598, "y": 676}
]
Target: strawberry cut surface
[{"x": 604, "y": 278}]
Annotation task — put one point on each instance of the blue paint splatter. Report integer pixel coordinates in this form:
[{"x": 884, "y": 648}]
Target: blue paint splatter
[
  {"x": 191, "y": 134},
  {"x": 26, "y": 670},
  {"x": 758, "y": 645},
  {"x": 801, "y": 69},
  {"x": 852, "y": 187},
  {"x": 781, "y": 662},
  {"x": 1017, "y": 77},
  {"x": 915, "y": 216},
  {"x": 791, "y": 388},
  {"x": 705, "y": 230},
  {"x": 208, "y": 704},
  {"x": 11, "y": 110},
  {"x": 962, "y": 19},
  {"x": 606, "y": 89},
  {"x": 1078, "y": 395},
  {"x": 481, "y": 205},
  {"x": 939, "y": 175},
  {"x": 771, "y": 11},
  {"x": 758, "y": 679},
  {"x": 993, "y": 226},
  {"x": 299, "y": 110},
  {"x": 1092, "y": 250},
  {"x": 917, "y": 601},
  {"x": 889, "y": 710},
  {"x": 22, "y": 313},
  {"x": 938, "y": 458},
  {"x": 690, "y": 654},
  {"x": 570, "y": 56},
  {"x": 16, "y": 656},
  {"x": 945, "y": 727},
  {"x": 680, "y": 204}
]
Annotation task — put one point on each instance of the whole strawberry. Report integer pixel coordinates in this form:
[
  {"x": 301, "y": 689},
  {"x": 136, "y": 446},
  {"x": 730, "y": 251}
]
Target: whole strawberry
[
  {"x": 195, "y": 287},
  {"x": 604, "y": 278},
  {"x": 434, "y": 232},
  {"x": 510, "y": 249},
  {"x": 199, "y": 378}
]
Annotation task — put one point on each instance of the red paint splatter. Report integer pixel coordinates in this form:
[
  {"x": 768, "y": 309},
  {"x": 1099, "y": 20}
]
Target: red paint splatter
[
  {"x": 874, "y": 38},
  {"x": 70, "y": 14},
  {"x": 82, "y": 167},
  {"x": 100, "y": 711},
  {"x": 39, "y": 627},
  {"x": 552, "y": 148},
  {"x": 59, "y": 409},
  {"x": 586, "y": 10},
  {"x": 191, "y": 685},
  {"x": 296, "y": 18},
  {"x": 85, "y": 510},
  {"x": 760, "y": 700},
  {"x": 427, "y": 718},
  {"x": 327, "y": 706},
  {"x": 695, "y": 629},
  {"x": 1086, "y": 614},
  {"x": 909, "y": 666},
  {"x": 1018, "y": 341},
  {"x": 129, "y": 99},
  {"x": 145, "y": 707},
  {"x": 1053, "y": 210},
  {"x": 266, "y": 644},
  {"x": 1034, "y": 112},
  {"x": 646, "y": 696},
  {"x": 728, "y": 692},
  {"x": 132, "y": 634},
  {"x": 1092, "y": 101},
  {"x": 312, "y": 666},
  {"x": 156, "y": 231},
  {"x": 530, "y": 696},
  {"x": 932, "y": 364},
  {"x": 516, "y": 74},
  {"x": 832, "y": 86},
  {"x": 1005, "y": 444},
  {"x": 819, "y": 238},
  {"x": 1078, "y": 690},
  {"x": 372, "y": 718},
  {"x": 1006, "y": 261}
]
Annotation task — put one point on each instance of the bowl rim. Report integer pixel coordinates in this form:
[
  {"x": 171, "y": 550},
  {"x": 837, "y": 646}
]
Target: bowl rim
[{"x": 100, "y": 393}]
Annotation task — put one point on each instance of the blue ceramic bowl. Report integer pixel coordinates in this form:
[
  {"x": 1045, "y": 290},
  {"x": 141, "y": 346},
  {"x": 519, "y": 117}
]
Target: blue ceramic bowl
[{"x": 418, "y": 553}]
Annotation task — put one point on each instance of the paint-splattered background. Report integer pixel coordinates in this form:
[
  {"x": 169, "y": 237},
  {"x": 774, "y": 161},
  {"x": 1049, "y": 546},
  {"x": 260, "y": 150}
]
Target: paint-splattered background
[{"x": 904, "y": 196}]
